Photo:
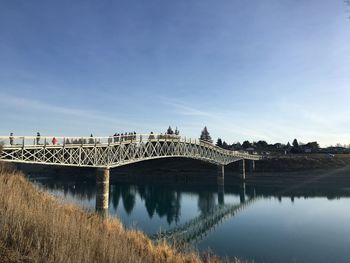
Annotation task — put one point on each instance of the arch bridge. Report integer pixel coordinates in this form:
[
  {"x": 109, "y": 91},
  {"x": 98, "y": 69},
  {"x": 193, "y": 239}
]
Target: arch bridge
[{"x": 109, "y": 152}]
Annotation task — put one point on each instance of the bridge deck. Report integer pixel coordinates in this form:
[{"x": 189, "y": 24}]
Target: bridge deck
[{"x": 109, "y": 152}]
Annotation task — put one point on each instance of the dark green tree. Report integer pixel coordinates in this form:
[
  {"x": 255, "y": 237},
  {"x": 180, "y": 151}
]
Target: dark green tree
[
  {"x": 246, "y": 144},
  {"x": 205, "y": 136},
  {"x": 170, "y": 130},
  {"x": 295, "y": 143},
  {"x": 261, "y": 145},
  {"x": 236, "y": 146},
  {"x": 177, "y": 132},
  {"x": 219, "y": 142}
]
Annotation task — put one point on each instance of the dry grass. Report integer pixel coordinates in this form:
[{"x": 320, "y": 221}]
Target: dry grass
[{"x": 35, "y": 227}]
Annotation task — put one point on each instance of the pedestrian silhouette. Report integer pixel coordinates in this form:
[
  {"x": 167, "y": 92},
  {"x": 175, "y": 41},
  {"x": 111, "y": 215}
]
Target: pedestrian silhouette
[
  {"x": 37, "y": 138},
  {"x": 11, "y": 138}
]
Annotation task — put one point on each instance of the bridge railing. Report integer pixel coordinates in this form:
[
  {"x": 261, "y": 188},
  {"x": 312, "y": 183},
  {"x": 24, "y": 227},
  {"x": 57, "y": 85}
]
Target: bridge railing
[
  {"x": 23, "y": 141},
  {"x": 59, "y": 141}
]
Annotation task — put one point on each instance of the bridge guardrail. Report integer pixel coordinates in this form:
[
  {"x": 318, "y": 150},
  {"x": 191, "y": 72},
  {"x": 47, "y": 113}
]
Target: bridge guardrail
[{"x": 59, "y": 141}]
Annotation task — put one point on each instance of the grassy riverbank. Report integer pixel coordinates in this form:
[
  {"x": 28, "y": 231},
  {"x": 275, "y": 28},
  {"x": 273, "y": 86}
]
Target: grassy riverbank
[{"x": 35, "y": 227}]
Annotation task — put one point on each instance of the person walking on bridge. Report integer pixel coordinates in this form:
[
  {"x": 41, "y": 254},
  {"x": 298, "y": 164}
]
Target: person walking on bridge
[
  {"x": 151, "y": 136},
  {"x": 11, "y": 138},
  {"x": 54, "y": 141},
  {"x": 91, "y": 139},
  {"x": 37, "y": 138}
]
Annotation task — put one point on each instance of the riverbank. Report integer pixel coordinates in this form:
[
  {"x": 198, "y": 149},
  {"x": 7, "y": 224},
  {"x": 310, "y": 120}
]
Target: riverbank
[
  {"x": 302, "y": 162},
  {"x": 36, "y": 227}
]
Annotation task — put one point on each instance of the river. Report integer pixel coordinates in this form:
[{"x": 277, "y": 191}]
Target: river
[{"x": 258, "y": 222}]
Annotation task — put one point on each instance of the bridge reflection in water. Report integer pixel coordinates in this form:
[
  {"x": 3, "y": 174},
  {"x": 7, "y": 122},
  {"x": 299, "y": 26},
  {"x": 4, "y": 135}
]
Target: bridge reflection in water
[
  {"x": 185, "y": 212},
  {"x": 199, "y": 227},
  {"x": 165, "y": 202}
]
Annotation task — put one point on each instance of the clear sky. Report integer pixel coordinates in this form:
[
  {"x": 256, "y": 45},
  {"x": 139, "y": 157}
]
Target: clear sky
[{"x": 259, "y": 70}]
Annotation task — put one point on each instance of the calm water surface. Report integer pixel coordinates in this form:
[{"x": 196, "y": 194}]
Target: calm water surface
[{"x": 260, "y": 223}]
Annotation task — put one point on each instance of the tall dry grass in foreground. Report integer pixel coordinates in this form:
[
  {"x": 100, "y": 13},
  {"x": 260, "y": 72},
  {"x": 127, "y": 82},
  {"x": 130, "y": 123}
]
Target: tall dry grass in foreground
[{"x": 35, "y": 227}]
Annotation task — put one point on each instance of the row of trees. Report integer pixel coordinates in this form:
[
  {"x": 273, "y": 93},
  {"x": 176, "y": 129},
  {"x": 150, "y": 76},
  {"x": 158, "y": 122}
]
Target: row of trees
[
  {"x": 261, "y": 146},
  {"x": 205, "y": 135},
  {"x": 171, "y": 132}
]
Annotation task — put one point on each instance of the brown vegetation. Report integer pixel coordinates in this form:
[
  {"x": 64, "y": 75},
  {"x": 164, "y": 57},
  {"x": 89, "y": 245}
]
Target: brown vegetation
[{"x": 35, "y": 227}]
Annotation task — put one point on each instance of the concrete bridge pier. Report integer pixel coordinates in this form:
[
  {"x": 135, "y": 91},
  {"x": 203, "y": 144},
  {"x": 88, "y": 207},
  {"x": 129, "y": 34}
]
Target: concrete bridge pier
[
  {"x": 221, "y": 174},
  {"x": 251, "y": 166},
  {"x": 221, "y": 183},
  {"x": 102, "y": 191},
  {"x": 242, "y": 169}
]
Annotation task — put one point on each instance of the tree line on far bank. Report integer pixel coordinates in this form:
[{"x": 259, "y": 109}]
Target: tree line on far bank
[
  {"x": 262, "y": 146},
  {"x": 295, "y": 148}
]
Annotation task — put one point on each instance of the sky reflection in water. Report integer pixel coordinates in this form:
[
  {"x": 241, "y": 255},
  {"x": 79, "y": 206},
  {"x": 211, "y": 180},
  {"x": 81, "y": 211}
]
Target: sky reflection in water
[{"x": 311, "y": 225}]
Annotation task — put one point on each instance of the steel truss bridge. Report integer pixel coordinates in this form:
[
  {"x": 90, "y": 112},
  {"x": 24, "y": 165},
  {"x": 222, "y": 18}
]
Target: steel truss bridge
[
  {"x": 110, "y": 152},
  {"x": 198, "y": 228}
]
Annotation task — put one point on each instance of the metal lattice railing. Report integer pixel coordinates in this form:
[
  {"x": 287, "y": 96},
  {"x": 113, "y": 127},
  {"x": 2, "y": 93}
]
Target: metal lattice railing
[{"x": 113, "y": 151}]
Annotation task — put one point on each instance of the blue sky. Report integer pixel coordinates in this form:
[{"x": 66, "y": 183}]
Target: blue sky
[{"x": 258, "y": 70}]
